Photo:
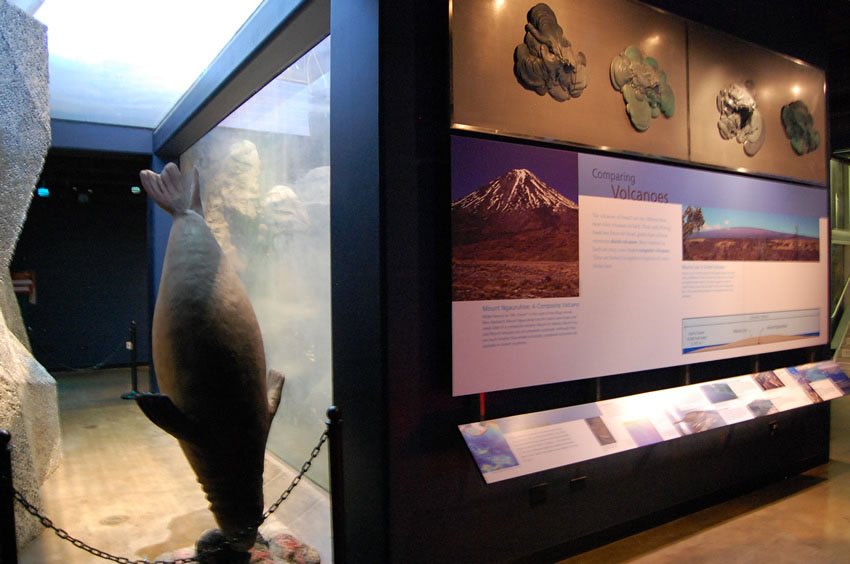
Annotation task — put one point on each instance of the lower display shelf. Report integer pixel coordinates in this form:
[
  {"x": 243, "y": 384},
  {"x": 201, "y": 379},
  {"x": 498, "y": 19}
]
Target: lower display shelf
[{"x": 515, "y": 446}]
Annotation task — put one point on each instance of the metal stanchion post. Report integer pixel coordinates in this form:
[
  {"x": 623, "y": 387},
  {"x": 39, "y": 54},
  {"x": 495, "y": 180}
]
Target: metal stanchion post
[
  {"x": 134, "y": 377},
  {"x": 336, "y": 483},
  {"x": 8, "y": 542}
]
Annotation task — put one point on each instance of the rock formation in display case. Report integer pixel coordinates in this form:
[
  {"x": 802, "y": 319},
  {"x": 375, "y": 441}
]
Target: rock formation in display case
[
  {"x": 644, "y": 87},
  {"x": 545, "y": 61},
  {"x": 28, "y": 402},
  {"x": 218, "y": 400},
  {"x": 740, "y": 118},
  {"x": 800, "y": 127}
]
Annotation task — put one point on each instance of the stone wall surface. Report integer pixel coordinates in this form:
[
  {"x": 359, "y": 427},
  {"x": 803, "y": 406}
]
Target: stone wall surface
[{"x": 28, "y": 406}]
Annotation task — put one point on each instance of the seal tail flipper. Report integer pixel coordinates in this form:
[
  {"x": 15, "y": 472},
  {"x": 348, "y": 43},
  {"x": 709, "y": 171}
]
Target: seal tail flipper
[
  {"x": 274, "y": 385},
  {"x": 165, "y": 415},
  {"x": 167, "y": 189}
]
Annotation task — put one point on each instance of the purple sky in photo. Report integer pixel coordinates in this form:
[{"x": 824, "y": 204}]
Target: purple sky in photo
[{"x": 475, "y": 162}]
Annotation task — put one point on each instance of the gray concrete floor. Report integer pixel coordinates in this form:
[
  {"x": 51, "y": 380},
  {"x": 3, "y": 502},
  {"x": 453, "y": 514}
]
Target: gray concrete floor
[
  {"x": 803, "y": 519},
  {"x": 125, "y": 487}
]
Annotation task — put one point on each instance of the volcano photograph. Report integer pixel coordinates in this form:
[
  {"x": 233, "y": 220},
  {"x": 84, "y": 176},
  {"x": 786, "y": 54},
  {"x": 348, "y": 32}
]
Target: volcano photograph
[
  {"x": 734, "y": 235},
  {"x": 514, "y": 235}
]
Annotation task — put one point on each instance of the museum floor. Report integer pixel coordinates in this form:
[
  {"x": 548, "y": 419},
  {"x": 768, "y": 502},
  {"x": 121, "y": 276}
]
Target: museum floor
[{"x": 124, "y": 487}]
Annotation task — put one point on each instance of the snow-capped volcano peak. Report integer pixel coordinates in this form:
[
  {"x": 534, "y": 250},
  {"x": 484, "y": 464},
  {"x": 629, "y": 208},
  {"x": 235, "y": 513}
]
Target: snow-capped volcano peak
[{"x": 516, "y": 190}]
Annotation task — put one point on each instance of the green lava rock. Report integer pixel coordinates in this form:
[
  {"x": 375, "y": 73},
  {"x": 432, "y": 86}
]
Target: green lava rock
[
  {"x": 644, "y": 87},
  {"x": 799, "y": 127}
]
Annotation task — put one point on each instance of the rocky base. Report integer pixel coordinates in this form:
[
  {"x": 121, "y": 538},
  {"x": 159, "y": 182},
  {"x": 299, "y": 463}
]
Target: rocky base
[{"x": 279, "y": 548}]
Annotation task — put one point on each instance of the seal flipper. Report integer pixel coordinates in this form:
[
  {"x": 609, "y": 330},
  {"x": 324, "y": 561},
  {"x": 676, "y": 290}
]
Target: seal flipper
[
  {"x": 168, "y": 189},
  {"x": 165, "y": 415},
  {"x": 274, "y": 385}
]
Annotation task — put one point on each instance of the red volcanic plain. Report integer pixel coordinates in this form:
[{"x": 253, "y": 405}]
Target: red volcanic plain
[{"x": 515, "y": 237}]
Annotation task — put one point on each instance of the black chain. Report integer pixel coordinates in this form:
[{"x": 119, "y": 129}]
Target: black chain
[
  {"x": 295, "y": 481},
  {"x": 64, "y": 535}
]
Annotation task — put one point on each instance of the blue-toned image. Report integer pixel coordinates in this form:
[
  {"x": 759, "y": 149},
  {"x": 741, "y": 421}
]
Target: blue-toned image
[
  {"x": 488, "y": 446},
  {"x": 826, "y": 370},
  {"x": 717, "y": 393}
]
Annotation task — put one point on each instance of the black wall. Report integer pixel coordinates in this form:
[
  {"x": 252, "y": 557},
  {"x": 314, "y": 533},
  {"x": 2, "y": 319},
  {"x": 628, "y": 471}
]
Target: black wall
[
  {"x": 412, "y": 491},
  {"x": 89, "y": 254}
]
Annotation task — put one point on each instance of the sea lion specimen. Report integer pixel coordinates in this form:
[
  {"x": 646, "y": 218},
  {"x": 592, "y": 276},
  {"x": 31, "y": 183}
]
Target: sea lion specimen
[{"x": 208, "y": 355}]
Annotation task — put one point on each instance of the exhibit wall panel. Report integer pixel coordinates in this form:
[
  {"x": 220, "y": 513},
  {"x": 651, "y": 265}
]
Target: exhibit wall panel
[
  {"x": 560, "y": 258},
  {"x": 412, "y": 481},
  {"x": 559, "y": 255},
  {"x": 620, "y": 76}
]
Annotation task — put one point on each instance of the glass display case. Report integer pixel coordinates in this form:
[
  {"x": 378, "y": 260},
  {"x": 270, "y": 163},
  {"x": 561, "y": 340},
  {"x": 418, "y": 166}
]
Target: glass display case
[{"x": 265, "y": 180}]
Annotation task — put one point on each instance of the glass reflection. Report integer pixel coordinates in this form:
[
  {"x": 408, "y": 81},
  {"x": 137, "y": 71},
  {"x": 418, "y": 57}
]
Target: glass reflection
[{"x": 266, "y": 195}]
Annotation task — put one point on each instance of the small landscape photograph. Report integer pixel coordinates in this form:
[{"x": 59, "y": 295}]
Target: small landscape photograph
[
  {"x": 825, "y": 371},
  {"x": 643, "y": 432},
  {"x": 805, "y": 383},
  {"x": 762, "y": 407},
  {"x": 600, "y": 430},
  {"x": 768, "y": 380},
  {"x": 514, "y": 221},
  {"x": 718, "y": 392},
  {"x": 737, "y": 235},
  {"x": 690, "y": 421},
  {"x": 488, "y": 446}
]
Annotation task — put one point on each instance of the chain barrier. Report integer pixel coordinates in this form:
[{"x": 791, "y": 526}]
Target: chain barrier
[
  {"x": 119, "y": 347},
  {"x": 64, "y": 535},
  {"x": 297, "y": 479}
]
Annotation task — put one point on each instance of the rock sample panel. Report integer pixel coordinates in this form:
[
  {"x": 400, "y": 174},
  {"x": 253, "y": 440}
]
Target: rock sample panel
[{"x": 28, "y": 407}]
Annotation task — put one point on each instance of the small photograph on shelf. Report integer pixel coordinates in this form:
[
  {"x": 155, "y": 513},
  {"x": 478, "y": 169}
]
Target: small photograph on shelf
[
  {"x": 545, "y": 61},
  {"x": 762, "y": 407},
  {"x": 644, "y": 86},
  {"x": 718, "y": 392},
  {"x": 488, "y": 446},
  {"x": 826, "y": 370},
  {"x": 740, "y": 118},
  {"x": 737, "y": 235},
  {"x": 642, "y": 432},
  {"x": 690, "y": 421},
  {"x": 514, "y": 221},
  {"x": 806, "y": 384},
  {"x": 826, "y": 378},
  {"x": 768, "y": 380},
  {"x": 841, "y": 380},
  {"x": 800, "y": 128},
  {"x": 600, "y": 430}
]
